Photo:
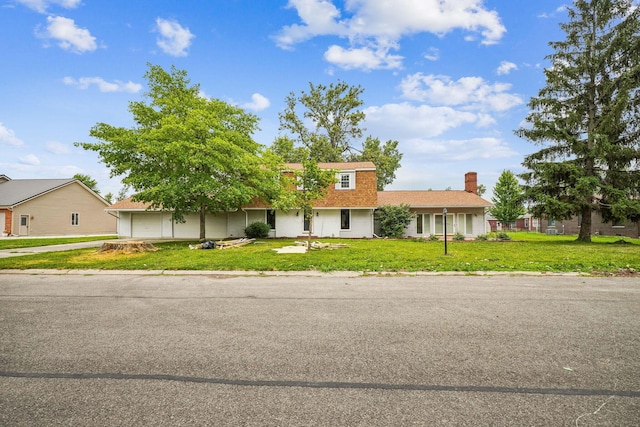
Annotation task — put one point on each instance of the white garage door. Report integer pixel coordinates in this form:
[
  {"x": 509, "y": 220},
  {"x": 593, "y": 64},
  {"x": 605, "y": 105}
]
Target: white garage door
[{"x": 148, "y": 224}]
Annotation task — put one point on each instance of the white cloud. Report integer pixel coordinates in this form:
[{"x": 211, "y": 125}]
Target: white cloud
[
  {"x": 506, "y": 67},
  {"x": 469, "y": 92},
  {"x": 174, "y": 39},
  {"x": 42, "y": 5},
  {"x": 56, "y": 147},
  {"x": 30, "y": 160},
  {"x": 406, "y": 121},
  {"x": 103, "y": 86},
  {"x": 363, "y": 58},
  {"x": 8, "y": 136},
  {"x": 258, "y": 103},
  {"x": 380, "y": 24},
  {"x": 462, "y": 149},
  {"x": 432, "y": 54},
  {"x": 69, "y": 37}
]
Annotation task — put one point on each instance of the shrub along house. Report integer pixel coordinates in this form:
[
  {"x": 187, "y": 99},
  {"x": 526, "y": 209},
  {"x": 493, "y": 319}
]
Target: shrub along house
[
  {"x": 51, "y": 207},
  {"x": 347, "y": 211}
]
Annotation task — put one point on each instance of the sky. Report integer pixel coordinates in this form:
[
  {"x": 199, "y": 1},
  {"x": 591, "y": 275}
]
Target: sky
[{"x": 449, "y": 79}]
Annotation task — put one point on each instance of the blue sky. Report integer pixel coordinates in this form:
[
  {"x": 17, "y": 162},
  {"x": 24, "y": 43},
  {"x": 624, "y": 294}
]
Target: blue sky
[{"x": 448, "y": 79}]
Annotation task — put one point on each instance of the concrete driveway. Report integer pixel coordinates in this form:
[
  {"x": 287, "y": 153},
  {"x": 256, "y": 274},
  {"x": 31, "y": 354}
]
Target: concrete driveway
[{"x": 202, "y": 349}]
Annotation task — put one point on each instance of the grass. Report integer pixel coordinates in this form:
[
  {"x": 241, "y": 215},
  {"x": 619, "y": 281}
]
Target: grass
[
  {"x": 29, "y": 242},
  {"x": 525, "y": 252}
]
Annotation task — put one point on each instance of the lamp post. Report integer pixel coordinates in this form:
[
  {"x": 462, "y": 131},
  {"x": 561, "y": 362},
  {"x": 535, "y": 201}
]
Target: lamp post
[{"x": 444, "y": 219}]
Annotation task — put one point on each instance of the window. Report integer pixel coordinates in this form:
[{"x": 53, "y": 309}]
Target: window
[
  {"x": 306, "y": 224},
  {"x": 469, "y": 224},
  {"x": 552, "y": 222},
  {"x": 346, "y": 181},
  {"x": 423, "y": 223},
  {"x": 345, "y": 219},
  {"x": 271, "y": 219},
  {"x": 75, "y": 218},
  {"x": 24, "y": 220}
]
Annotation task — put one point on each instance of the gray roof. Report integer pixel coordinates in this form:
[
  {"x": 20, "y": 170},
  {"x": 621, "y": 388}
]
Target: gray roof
[{"x": 16, "y": 191}]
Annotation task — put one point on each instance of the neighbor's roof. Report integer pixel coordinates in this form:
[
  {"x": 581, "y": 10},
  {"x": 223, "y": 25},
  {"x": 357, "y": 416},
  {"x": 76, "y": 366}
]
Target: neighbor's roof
[
  {"x": 16, "y": 191},
  {"x": 338, "y": 166},
  {"x": 432, "y": 199},
  {"x": 128, "y": 205}
]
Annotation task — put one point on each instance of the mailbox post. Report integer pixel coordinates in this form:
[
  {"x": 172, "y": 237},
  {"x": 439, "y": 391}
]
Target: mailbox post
[{"x": 444, "y": 220}]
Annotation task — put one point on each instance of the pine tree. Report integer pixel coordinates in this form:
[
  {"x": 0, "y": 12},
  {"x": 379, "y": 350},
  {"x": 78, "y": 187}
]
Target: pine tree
[
  {"x": 507, "y": 199},
  {"x": 587, "y": 119}
]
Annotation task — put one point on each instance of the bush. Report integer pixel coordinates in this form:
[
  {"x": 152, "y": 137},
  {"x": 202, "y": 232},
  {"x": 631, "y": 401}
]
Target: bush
[
  {"x": 458, "y": 237},
  {"x": 394, "y": 220},
  {"x": 482, "y": 237},
  {"x": 433, "y": 238},
  {"x": 257, "y": 230},
  {"x": 503, "y": 236}
]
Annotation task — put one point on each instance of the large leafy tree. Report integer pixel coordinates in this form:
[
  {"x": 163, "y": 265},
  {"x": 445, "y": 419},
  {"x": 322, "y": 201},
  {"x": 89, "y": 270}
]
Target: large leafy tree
[
  {"x": 186, "y": 153},
  {"x": 325, "y": 122},
  {"x": 507, "y": 198},
  {"x": 587, "y": 119}
]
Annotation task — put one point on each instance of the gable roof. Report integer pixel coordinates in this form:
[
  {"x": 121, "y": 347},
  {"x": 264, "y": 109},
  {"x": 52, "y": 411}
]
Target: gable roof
[
  {"x": 18, "y": 191},
  {"x": 128, "y": 205},
  {"x": 432, "y": 199}
]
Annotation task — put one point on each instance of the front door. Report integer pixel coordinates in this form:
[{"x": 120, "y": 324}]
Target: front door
[{"x": 24, "y": 225}]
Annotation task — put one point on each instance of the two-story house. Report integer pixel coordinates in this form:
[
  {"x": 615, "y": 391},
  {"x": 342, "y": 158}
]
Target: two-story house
[{"x": 347, "y": 211}]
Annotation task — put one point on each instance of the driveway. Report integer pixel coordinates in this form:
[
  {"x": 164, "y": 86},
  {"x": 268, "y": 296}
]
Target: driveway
[{"x": 203, "y": 349}]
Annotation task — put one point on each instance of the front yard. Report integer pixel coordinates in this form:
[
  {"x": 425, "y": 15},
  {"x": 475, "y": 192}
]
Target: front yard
[{"x": 525, "y": 252}]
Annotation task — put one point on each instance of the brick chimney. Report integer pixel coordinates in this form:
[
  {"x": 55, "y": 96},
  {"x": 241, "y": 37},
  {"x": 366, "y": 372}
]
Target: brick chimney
[{"x": 471, "y": 182}]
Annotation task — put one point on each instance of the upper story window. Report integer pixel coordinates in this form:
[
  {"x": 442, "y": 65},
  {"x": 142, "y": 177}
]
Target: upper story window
[{"x": 346, "y": 181}]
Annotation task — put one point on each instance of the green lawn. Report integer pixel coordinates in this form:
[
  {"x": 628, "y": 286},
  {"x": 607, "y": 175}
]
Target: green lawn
[
  {"x": 525, "y": 252},
  {"x": 15, "y": 243}
]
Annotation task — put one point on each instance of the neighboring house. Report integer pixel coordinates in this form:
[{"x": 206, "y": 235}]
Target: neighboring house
[
  {"x": 346, "y": 211},
  {"x": 465, "y": 209},
  {"x": 524, "y": 223},
  {"x": 572, "y": 226},
  {"x": 51, "y": 207}
]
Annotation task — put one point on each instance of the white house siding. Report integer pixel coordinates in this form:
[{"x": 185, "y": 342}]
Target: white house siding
[
  {"x": 288, "y": 224},
  {"x": 236, "y": 223},
  {"x": 326, "y": 223},
  {"x": 361, "y": 224}
]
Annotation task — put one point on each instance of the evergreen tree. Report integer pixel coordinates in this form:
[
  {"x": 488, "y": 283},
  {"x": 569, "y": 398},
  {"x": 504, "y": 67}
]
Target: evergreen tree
[
  {"x": 507, "y": 199},
  {"x": 587, "y": 119}
]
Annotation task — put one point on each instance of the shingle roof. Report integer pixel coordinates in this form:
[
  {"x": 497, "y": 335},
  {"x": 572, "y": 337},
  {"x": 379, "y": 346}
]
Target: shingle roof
[
  {"x": 16, "y": 191},
  {"x": 339, "y": 166},
  {"x": 432, "y": 199},
  {"x": 128, "y": 204}
]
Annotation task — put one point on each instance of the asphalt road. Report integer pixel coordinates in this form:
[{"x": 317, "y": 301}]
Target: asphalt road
[{"x": 324, "y": 351}]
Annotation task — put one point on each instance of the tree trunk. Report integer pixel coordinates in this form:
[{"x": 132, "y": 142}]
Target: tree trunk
[
  {"x": 585, "y": 225},
  {"x": 203, "y": 213},
  {"x": 309, "y": 232}
]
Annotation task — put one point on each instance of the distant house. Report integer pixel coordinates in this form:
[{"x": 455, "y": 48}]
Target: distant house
[
  {"x": 347, "y": 211},
  {"x": 524, "y": 223},
  {"x": 572, "y": 226},
  {"x": 48, "y": 207}
]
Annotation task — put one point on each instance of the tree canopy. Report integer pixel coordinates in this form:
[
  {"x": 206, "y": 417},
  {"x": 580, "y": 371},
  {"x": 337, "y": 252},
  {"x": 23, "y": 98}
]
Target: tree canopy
[
  {"x": 507, "y": 199},
  {"x": 325, "y": 123},
  {"x": 587, "y": 119},
  {"x": 187, "y": 154},
  {"x": 88, "y": 181}
]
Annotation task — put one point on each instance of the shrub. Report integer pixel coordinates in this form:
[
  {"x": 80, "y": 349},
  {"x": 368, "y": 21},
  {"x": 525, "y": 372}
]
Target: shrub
[
  {"x": 482, "y": 237},
  {"x": 394, "y": 220},
  {"x": 433, "y": 238},
  {"x": 458, "y": 236},
  {"x": 257, "y": 230},
  {"x": 503, "y": 236}
]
